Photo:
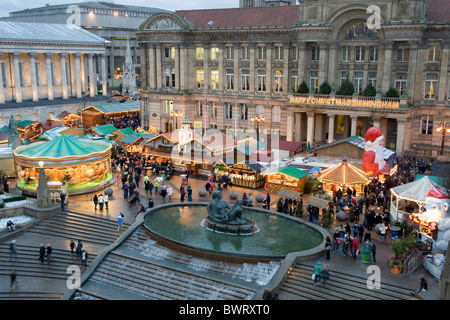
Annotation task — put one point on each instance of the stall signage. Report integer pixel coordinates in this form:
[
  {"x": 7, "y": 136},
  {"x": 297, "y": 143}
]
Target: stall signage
[{"x": 431, "y": 225}]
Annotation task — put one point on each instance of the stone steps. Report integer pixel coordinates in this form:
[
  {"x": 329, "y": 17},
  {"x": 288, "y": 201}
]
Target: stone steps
[
  {"x": 163, "y": 283},
  {"x": 341, "y": 286},
  {"x": 30, "y": 295},
  {"x": 141, "y": 242}
]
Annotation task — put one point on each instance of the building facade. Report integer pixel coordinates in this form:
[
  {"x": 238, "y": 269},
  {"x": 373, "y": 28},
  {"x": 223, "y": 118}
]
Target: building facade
[
  {"x": 116, "y": 23},
  {"x": 223, "y": 67},
  {"x": 48, "y": 61}
]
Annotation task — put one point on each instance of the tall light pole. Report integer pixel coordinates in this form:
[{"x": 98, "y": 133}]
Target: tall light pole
[
  {"x": 443, "y": 128},
  {"x": 175, "y": 115},
  {"x": 258, "y": 118}
]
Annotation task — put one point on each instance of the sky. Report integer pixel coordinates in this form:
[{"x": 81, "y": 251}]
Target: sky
[{"x": 16, "y": 5}]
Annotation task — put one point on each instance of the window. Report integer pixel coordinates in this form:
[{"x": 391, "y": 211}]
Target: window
[
  {"x": 215, "y": 53},
  {"x": 276, "y": 114},
  {"x": 245, "y": 77},
  {"x": 229, "y": 53},
  {"x": 400, "y": 83},
  {"x": 244, "y": 111},
  {"x": 358, "y": 82},
  {"x": 198, "y": 112},
  {"x": 278, "y": 53},
  {"x": 200, "y": 78},
  {"x": 402, "y": 55},
  {"x": 359, "y": 54},
  {"x": 293, "y": 54},
  {"x": 278, "y": 81},
  {"x": 372, "y": 79},
  {"x": 200, "y": 53},
  {"x": 261, "y": 53},
  {"x": 228, "y": 111},
  {"x": 427, "y": 125},
  {"x": 314, "y": 82},
  {"x": 434, "y": 54},
  {"x": 315, "y": 52},
  {"x": 344, "y": 76},
  {"x": 230, "y": 79},
  {"x": 373, "y": 54},
  {"x": 259, "y": 110},
  {"x": 167, "y": 107},
  {"x": 215, "y": 78},
  {"x": 169, "y": 77},
  {"x": 212, "y": 110},
  {"x": 261, "y": 78},
  {"x": 294, "y": 80},
  {"x": 431, "y": 85},
  {"x": 245, "y": 53},
  {"x": 2, "y": 66},
  {"x": 345, "y": 53},
  {"x": 169, "y": 53}
]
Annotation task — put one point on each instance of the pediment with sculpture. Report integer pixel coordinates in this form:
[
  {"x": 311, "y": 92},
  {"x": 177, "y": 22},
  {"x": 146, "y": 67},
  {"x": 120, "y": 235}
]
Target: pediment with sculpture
[{"x": 164, "y": 22}]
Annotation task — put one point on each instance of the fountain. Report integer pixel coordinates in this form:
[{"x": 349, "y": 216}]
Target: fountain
[{"x": 232, "y": 233}]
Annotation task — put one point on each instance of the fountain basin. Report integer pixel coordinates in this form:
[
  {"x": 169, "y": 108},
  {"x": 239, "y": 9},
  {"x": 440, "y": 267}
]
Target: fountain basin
[{"x": 179, "y": 227}]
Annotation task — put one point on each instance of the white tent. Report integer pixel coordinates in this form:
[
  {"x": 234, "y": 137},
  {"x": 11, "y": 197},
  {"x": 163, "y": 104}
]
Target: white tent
[{"x": 415, "y": 191}]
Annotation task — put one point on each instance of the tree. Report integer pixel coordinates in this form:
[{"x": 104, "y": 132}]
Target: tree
[
  {"x": 370, "y": 91},
  {"x": 303, "y": 87},
  {"x": 325, "y": 88},
  {"x": 392, "y": 93},
  {"x": 347, "y": 88}
]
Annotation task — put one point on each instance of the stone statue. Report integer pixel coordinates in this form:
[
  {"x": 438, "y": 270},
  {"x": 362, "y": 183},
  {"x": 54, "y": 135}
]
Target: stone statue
[
  {"x": 219, "y": 210},
  {"x": 13, "y": 131}
]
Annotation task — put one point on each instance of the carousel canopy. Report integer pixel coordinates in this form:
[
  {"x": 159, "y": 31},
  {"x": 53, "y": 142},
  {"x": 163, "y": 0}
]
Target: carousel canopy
[
  {"x": 62, "y": 146},
  {"x": 417, "y": 190},
  {"x": 343, "y": 174}
]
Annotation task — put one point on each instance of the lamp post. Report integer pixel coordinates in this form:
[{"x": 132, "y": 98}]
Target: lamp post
[
  {"x": 443, "y": 128},
  {"x": 175, "y": 115},
  {"x": 258, "y": 118}
]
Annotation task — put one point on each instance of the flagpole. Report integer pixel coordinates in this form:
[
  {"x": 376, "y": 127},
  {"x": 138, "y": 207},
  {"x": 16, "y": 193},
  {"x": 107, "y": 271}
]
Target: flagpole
[{"x": 235, "y": 118}]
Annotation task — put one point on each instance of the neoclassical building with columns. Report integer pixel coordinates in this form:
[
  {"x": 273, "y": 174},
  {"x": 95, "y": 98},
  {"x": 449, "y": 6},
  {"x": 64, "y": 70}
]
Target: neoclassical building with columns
[
  {"x": 221, "y": 67},
  {"x": 43, "y": 61}
]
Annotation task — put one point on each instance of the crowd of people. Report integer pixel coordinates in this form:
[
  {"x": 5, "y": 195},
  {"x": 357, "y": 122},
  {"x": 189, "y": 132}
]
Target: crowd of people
[{"x": 123, "y": 121}]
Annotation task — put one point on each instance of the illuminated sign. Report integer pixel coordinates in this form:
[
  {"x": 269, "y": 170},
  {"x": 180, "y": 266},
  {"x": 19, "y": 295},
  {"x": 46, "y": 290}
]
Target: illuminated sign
[{"x": 346, "y": 102}]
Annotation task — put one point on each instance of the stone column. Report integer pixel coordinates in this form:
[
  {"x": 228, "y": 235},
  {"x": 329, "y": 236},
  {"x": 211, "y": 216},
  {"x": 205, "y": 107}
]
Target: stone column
[
  {"x": 177, "y": 67},
  {"x": 2, "y": 90},
  {"x": 331, "y": 128},
  {"x": 269, "y": 72},
  {"x": 237, "y": 80},
  {"x": 151, "y": 72},
  {"x": 111, "y": 63},
  {"x": 290, "y": 125},
  {"x": 206, "y": 69},
  {"x": 78, "y": 75},
  {"x": 252, "y": 53},
  {"x": 376, "y": 121},
  {"x": 17, "y": 86},
  {"x": 48, "y": 61},
  {"x": 64, "y": 76},
  {"x": 158, "y": 67},
  {"x": 298, "y": 125},
  {"x": 183, "y": 67},
  {"x": 143, "y": 57},
  {"x": 400, "y": 136},
  {"x": 286, "y": 67},
  {"x": 33, "y": 76},
  {"x": 104, "y": 80},
  {"x": 333, "y": 57},
  {"x": 92, "y": 80},
  {"x": 302, "y": 58},
  {"x": 443, "y": 78},
  {"x": 323, "y": 55},
  {"x": 387, "y": 66},
  {"x": 310, "y": 129},
  {"x": 354, "y": 120}
]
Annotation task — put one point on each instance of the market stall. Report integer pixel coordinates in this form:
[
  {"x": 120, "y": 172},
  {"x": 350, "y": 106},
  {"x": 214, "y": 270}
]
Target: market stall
[
  {"x": 86, "y": 164},
  {"x": 288, "y": 178},
  {"x": 343, "y": 175},
  {"x": 246, "y": 174}
]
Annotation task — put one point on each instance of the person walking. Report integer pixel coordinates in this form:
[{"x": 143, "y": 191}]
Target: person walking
[
  {"x": 42, "y": 253},
  {"x": 337, "y": 240},
  {"x": 13, "y": 279},
  {"x": 156, "y": 185},
  {"x": 120, "y": 221},
  {"x": 325, "y": 275},
  {"x": 345, "y": 244},
  {"x": 72, "y": 246},
  {"x": 105, "y": 200},
  {"x": 95, "y": 199},
  {"x": 150, "y": 188},
  {"x": 49, "y": 253},
  {"x": 355, "y": 247},
  {"x": 383, "y": 231},
  {"x": 12, "y": 249},
  {"x": 423, "y": 286},
  {"x": 164, "y": 193},
  {"x": 189, "y": 193},
  {"x": 62, "y": 196},
  {"x": 100, "y": 201},
  {"x": 373, "y": 249},
  {"x": 327, "y": 247},
  {"x": 317, "y": 272},
  {"x": 79, "y": 248},
  {"x": 84, "y": 257},
  {"x": 169, "y": 192}
]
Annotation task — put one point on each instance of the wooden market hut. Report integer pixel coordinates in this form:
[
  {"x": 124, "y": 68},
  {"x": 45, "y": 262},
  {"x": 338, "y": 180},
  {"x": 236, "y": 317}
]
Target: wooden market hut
[
  {"x": 68, "y": 119},
  {"x": 247, "y": 174},
  {"x": 343, "y": 175},
  {"x": 96, "y": 115},
  {"x": 287, "y": 178}
]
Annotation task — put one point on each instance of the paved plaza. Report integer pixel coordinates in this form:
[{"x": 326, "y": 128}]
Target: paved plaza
[{"x": 28, "y": 242}]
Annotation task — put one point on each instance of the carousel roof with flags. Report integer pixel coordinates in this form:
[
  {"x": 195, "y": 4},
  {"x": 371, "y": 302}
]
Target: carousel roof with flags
[
  {"x": 62, "y": 146},
  {"x": 343, "y": 174}
]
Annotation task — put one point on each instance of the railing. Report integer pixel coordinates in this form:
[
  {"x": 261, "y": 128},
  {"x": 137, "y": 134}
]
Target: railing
[{"x": 414, "y": 261}]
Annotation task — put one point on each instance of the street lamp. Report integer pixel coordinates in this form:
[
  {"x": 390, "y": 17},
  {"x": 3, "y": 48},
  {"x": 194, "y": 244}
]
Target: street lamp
[
  {"x": 444, "y": 128},
  {"x": 175, "y": 115},
  {"x": 258, "y": 118}
]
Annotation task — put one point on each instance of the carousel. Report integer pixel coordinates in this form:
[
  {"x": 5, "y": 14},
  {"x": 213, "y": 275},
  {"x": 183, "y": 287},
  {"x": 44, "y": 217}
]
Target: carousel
[
  {"x": 82, "y": 165},
  {"x": 342, "y": 176}
]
